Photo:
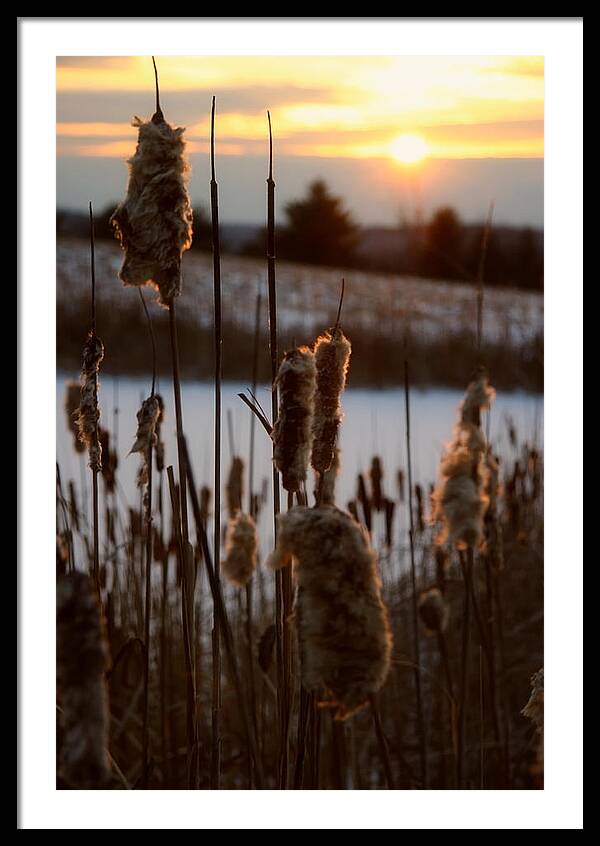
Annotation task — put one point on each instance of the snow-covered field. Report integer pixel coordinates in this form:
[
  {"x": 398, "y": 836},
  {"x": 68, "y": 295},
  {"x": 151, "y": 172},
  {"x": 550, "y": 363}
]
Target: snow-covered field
[{"x": 308, "y": 296}]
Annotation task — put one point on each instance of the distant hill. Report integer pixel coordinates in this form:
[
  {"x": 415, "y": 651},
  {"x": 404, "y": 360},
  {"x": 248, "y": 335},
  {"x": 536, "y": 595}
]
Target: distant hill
[{"x": 379, "y": 248}]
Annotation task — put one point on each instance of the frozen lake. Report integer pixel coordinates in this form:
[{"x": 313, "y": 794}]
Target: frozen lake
[{"x": 373, "y": 424}]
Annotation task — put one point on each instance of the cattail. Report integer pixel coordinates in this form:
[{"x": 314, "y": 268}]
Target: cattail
[
  {"x": 235, "y": 486},
  {"x": 460, "y": 500},
  {"x": 420, "y": 508},
  {"x": 390, "y": 509},
  {"x": 88, "y": 413},
  {"x": 240, "y": 549},
  {"x": 110, "y": 460},
  {"x": 72, "y": 394},
  {"x": 363, "y": 498},
  {"x": 376, "y": 477},
  {"x": 159, "y": 449},
  {"x": 145, "y": 436},
  {"x": 154, "y": 222},
  {"x": 329, "y": 480},
  {"x": 343, "y": 630},
  {"x": 82, "y": 658},
  {"x": 332, "y": 355},
  {"x": 204, "y": 503},
  {"x": 292, "y": 431},
  {"x": 493, "y": 546},
  {"x": 400, "y": 480},
  {"x": 434, "y": 610}
]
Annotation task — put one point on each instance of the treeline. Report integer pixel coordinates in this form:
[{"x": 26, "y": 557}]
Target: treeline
[{"x": 318, "y": 230}]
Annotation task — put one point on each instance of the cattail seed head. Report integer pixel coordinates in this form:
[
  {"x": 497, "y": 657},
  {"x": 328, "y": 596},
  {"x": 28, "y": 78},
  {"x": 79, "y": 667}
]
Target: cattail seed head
[
  {"x": 154, "y": 221},
  {"x": 240, "y": 549},
  {"x": 205, "y": 503},
  {"x": 343, "y": 630},
  {"x": 146, "y": 436},
  {"x": 292, "y": 431},
  {"x": 332, "y": 355},
  {"x": 159, "y": 450},
  {"x": 110, "y": 460},
  {"x": 329, "y": 479},
  {"x": 376, "y": 477},
  {"x": 88, "y": 413},
  {"x": 72, "y": 399},
  {"x": 235, "y": 486},
  {"x": 82, "y": 658},
  {"x": 460, "y": 500},
  {"x": 400, "y": 480},
  {"x": 433, "y": 610}
]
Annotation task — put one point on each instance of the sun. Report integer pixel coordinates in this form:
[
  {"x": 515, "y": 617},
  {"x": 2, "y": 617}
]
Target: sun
[{"x": 409, "y": 149}]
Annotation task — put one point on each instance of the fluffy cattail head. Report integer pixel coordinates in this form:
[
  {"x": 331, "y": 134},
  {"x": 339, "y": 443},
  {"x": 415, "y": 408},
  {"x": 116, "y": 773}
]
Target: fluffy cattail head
[
  {"x": 154, "y": 221},
  {"x": 478, "y": 397},
  {"x": 205, "y": 503},
  {"x": 82, "y": 658},
  {"x": 240, "y": 549},
  {"x": 292, "y": 431},
  {"x": 329, "y": 480},
  {"x": 332, "y": 356},
  {"x": 235, "y": 486},
  {"x": 88, "y": 413},
  {"x": 72, "y": 394},
  {"x": 433, "y": 610},
  {"x": 146, "y": 435},
  {"x": 460, "y": 500},
  {"x": 344, "y": 635}
]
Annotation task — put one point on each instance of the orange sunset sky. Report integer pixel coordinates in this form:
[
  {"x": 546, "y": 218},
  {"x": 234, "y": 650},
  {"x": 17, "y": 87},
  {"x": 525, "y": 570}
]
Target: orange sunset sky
[{"x": 392, "y": 135}]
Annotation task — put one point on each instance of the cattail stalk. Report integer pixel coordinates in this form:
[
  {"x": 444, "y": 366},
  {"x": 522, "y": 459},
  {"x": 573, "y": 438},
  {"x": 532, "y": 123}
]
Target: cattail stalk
[
  {"x": 147, "y": 447},
  {"x": 224, "y": 628},
  {"x": 215, "y": 779},
  {"x": 413, "y": 576},
  {"x": 282, "y": 693}
]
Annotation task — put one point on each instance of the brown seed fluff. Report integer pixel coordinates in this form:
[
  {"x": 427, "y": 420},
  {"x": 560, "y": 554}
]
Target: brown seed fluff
[
  {"x": 82, "y": 659},
  {"x": 494, "y": 544},
  {"x": 240, "y": 549},
  {"x": 235, "y": 486},
  {"x": 460, "y": 500},
  {"x": 343, "y": 630},
  {"x": 146, "y": 435},
  {"x": 159, "y": 450},
  {"x": 110, "y": 460},
  {"x": 154, "y": 221},
  {"x": 332, "y": 356},
  {"x": 329, "y": 480},
  {"x": 433, "y": 610},
  {"x": 88, "y": 413},
  {"x": 292, "y": 431},
  {"x": 72, "y": 393}
]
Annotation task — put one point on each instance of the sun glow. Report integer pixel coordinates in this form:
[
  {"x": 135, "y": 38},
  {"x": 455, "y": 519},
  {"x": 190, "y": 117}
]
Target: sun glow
[{"x": 409, "y": 149}]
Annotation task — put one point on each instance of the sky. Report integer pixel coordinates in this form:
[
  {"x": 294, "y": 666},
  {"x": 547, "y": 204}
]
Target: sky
[{"x": 394, "y": 136}]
